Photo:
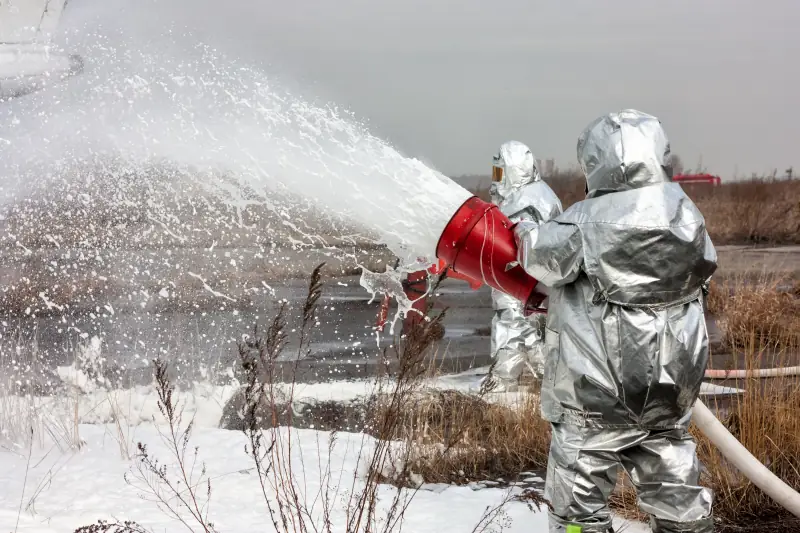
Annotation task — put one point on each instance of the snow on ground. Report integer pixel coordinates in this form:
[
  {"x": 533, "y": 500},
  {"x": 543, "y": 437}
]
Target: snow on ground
[
  {"x": 61, "y": 491},
  {"x": 205, "y": 402}
]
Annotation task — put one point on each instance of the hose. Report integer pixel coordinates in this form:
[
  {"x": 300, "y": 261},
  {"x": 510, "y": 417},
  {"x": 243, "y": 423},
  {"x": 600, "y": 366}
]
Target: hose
[
  {"x": 754, "y": 373},
  {"x": 744, "y": 461}
]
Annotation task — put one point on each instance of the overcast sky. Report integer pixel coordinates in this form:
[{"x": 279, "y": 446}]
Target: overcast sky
[{"x": 449, "y": 80}]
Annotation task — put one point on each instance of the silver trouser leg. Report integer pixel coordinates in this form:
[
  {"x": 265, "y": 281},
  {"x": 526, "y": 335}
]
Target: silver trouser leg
[
  {"x": 581, "y": 474},
  {"x": 535, "y": 347},
  {"x": 509, "y": 329},
  {"x": 508, "y": 366},
  {"x": 665, "y": 470}
]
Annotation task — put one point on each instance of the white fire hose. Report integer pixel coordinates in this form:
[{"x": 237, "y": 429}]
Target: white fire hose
[
  {"x": 753, "y": 373},
  {"x": 744, "y": 461}
]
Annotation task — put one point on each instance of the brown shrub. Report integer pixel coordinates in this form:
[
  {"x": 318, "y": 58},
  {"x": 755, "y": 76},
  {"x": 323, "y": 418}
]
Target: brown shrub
[
  {"x": 747, "y": 212},
  {"x": 766, "y": 420},
  {"x": 755, "y": 316},
  {"x": 756, "y": 319},
  {"x": 457, "y": 438},
  {"x": 751, "y": 211}
]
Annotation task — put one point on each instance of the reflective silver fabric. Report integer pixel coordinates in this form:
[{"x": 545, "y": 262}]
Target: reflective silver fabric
[
  {"x": 521, "y": 194},
  {"x": 516, "y": 340},
  {"x": 662, "y": 465},
  {"x": 626, "y": 339},
  {"x": 623, "y": 151}
]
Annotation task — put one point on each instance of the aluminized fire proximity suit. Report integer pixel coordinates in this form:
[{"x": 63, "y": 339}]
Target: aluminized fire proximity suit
[
  {"x": 518, "y": 190},
  {"x": 626, "y": 337}
]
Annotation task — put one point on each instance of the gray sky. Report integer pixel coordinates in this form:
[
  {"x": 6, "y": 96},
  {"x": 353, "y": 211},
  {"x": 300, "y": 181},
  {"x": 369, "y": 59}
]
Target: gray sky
[{"x": 449, "y": 80}]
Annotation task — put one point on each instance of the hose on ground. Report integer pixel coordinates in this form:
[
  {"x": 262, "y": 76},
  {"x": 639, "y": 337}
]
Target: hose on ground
[
  {"x": 753, "y": 373},
  {"x": 744, "y": 461}
]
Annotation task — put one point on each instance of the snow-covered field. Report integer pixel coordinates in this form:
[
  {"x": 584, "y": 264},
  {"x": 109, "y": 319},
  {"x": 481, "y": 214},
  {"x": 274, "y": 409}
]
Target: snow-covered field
[
  {"x": 60, "y": 492},
  {"x": 53, "y": 491},
  {"x": 49, "y": 487}
]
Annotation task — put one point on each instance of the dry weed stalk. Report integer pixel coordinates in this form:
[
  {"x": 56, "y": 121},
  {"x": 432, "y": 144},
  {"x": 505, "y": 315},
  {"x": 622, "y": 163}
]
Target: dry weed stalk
[
  {"x": 290, "y": 508},
  {"x": 180, "y": 493},
  {"x": 407, "y": 357},
  {"x": 103, "y": 526},
  {"x": 495, "y": 518},
  {"x": 273, "y": 457}
]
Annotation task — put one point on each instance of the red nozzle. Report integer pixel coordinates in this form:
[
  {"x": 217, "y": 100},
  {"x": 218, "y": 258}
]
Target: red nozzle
[
  {"x": 474, "y": 284},
  {"x": 478, "y": 242}
]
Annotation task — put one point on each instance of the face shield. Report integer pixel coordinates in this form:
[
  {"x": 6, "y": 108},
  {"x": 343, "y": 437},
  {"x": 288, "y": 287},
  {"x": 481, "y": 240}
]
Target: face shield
[
  {"x": 497, "y": 174},
  {"x": 497, "y": 169}
]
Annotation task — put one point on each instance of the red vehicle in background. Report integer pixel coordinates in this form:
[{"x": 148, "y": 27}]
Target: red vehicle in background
[{"x": 692, "y": 179}]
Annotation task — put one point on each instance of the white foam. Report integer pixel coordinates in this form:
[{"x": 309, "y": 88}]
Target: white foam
[{"x": 143, "y": 104}]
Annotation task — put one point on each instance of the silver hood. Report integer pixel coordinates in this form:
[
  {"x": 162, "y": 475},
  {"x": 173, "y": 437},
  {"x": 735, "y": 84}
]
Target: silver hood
[
  {"x": 519, "y": 169},
  {"x": 623, "y": 151},
  {"x": 521, "y": 194},
  {"x": 646, "y": 244}
]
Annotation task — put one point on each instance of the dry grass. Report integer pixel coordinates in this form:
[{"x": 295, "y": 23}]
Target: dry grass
[
  {"x": 756, "y": 316},
  {"x": 766, "y": 420},
  {"x": 768, "y": 425},
  {"x": 458, "y": 438},
  {"x": 624, "y": 500},
  {"x": 749, "y": 212},
  {"x": 762, "y": 325}
]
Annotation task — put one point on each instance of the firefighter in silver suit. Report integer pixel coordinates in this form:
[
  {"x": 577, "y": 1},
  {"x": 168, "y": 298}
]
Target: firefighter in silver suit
[
  {"x": 626, "y": 341},
  {"x": 517, "y": 341}
]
